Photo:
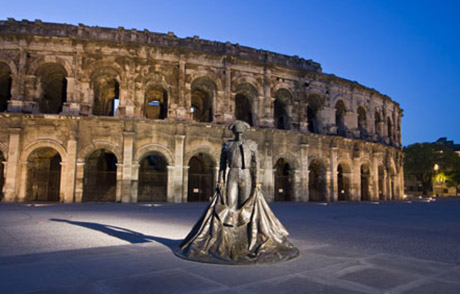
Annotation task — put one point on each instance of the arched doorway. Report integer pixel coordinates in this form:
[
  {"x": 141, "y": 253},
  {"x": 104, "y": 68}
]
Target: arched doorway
[
  {"x": 200, "y": 178},
  {"x": 5, "y": 86},
  {"x": 53, "y": 84},
  {"x": 281, "y": 114},
  {"x": 43, "y": 175},
  {"x": 106, "y": 89},
  {"x": 343, "y": 182},
  {"x": 315, "y": 104},
  {"x": 203, "y": 92},
  {"x": 100, "y": 180},
  {"x": 283, "y": 181},
  {"x": 156, "y": 103},
  {"x": 153, "y": 178},
  {"x": 243, "y": 109},
  {"x": 365, "y": 180},
  {"x": 317, "y": 181},
  {"x": 245, "y": 102},
  {"x": 362, "y": 122},
  {"x": 340, "y": 113},
  {"x": 381, "y": 182},
  {"x": 2, "y": 175}
]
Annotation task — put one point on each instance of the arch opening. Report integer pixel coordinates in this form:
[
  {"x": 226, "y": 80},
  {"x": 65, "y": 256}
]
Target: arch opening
[
  {"x": 314, "y": 105},
  {"x": 362, "y": 122},
  {"x": 343, "y": 182},
  {"x": 340, "y": 112},
  {"x": 43, "y": 175},
  {"x": 365, "y": 181},
  {"x": 390, "y": 129},
  {"x": 377, "y": 120},
  {"x": 283, "y": 181},
  {"x": 100, "y": 178},
  {"x": 243, "y": 108},
  {"x": 106, "y": 96},
  {"x": 317, "y": 181},
  {"x": 200, "y": 178},
  {"x": 153, "y": 178},
  {"x": 245, "y": 103},
  {"x": 156, "y": 103},
  {"x": 203, "y": 92},
  {"x": 5, "y": 86},
  {"x": 281, "y": 115},
  {"x": 53, "y": 83}
]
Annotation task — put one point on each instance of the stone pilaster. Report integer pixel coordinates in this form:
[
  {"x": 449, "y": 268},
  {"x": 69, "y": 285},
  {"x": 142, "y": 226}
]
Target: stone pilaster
[
  {"x": 180, "y": 190},
  {"x": 68, "y": 180},
  {"x": 333, "y": 196},
  {"x": 11, "y": 173},
  {"x": 128, "y": 141},
  {"x": 304, "y": 172}
]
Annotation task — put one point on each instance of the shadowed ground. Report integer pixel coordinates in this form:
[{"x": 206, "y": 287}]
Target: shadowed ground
[{"x": 396, "y": 247}]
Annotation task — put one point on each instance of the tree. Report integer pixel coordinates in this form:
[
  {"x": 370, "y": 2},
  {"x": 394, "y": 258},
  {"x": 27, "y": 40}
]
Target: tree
[
  {"x": 453, "y": 175},
  {"x": 424, "y": 160}
]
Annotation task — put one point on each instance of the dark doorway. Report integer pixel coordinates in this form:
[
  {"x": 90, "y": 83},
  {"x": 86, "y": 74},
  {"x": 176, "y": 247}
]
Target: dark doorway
[
  {"x": 283, "y": 181},
  {"x": 5, "y": 86},
  {"x": 43, "y": 175},
  {"x": 100, "y": 180},
  {"x": 200, "y": 178},
  {"x": 153, "y": 179},
  {"x": 243, "y": 109},
  {"x": 54, "y": 88},
  {"x": 106, "y": 96},
  {"x": 317, "y": 181},
  {"x": 381, "y": 182},
  {"x": 2, "y": 174},
  {"x": 343, "y": 183},
  {"x": 365, "y": 179}
]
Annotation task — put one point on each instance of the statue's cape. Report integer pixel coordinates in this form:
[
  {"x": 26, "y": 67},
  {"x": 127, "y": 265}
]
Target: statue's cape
[{"x": 250, "y": 234}]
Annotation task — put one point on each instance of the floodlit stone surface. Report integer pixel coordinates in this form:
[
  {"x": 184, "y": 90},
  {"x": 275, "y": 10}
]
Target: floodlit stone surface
[
  {"x": 114, "y": 115},
  {"x": 128, "y": 248}
]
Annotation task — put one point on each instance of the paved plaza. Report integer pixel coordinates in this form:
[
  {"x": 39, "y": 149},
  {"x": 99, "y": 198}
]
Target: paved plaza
[{"x": 389, "y": 247}]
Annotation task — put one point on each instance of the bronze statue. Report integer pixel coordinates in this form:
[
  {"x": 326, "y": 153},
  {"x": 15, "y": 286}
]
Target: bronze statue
[{"x": 238, "y": 227}]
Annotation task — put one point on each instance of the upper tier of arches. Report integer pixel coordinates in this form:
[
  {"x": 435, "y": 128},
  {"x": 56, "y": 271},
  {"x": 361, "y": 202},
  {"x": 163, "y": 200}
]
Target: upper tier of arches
[{"x": 150, "y": 82}]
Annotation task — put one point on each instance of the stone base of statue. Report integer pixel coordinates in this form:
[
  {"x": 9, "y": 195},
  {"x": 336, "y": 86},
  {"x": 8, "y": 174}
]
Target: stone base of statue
[{"x": 251, "y": 234}]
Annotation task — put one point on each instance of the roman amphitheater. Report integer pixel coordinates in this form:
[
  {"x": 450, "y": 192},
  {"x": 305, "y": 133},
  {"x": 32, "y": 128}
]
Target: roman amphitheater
[{"x": 121, "y": 115}]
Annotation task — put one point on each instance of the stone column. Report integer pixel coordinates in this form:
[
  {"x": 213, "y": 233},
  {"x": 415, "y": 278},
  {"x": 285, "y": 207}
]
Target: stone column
[
  {"x": 126, "y": 175},
  {"x": 69, "y": 175},
  {"x": 328, "y": 185},
  {"x": 375, "y": 176},
  {"x": 265, "y": 119},
  {"x": 180, "y": 191},
  {"x": 184, "y": 184},
  {"x": 170, "y": 170},
  {"x": 11, "y": 169},
  {"x": 119, "y": 182},
  {"x": 181, "y": 110},
  {"x": 333, "y": 196},
  {"x": 356, "y": 180},
  {"x": 227, "y": 96},
  {"x": 268, "y": 175},
  {"x": 134, "y": 181},
  {"x": 79, "y": 180},
  {"x": 304, "y": 170}
]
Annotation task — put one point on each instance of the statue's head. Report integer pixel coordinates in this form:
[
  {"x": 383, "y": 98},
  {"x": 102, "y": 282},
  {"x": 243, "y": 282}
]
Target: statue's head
[{"x": 239, "y": 127}]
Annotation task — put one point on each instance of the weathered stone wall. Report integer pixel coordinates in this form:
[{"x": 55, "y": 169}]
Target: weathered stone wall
[{"x": 293, "y": 107}]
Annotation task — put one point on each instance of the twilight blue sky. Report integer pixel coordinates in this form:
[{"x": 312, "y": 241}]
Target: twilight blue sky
[{"x": 407, "y": 49}]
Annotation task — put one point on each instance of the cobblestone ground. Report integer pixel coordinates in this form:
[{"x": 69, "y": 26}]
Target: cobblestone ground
[{"x": 394, "y": 247}]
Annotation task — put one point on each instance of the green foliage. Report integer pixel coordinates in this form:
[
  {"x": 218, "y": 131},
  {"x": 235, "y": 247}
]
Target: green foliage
[{"x": 420, "y": 160}]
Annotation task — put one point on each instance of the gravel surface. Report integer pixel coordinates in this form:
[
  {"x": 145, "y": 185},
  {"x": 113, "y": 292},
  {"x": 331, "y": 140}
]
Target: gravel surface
[{"x": 418, "y": 229}]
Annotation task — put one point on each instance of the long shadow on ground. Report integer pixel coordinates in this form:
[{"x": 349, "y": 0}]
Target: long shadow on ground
[{"x": 130, "y": 236}]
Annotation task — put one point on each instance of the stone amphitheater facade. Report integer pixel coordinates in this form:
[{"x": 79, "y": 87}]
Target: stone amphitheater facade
[{"x": 103, "y": 114}]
